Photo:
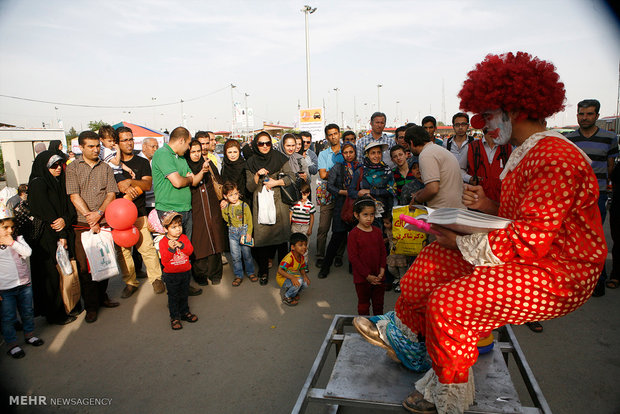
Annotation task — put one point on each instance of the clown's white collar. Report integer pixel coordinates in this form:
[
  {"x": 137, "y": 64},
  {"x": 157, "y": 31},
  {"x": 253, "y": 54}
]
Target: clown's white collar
[{"x": 519, "y": 153}]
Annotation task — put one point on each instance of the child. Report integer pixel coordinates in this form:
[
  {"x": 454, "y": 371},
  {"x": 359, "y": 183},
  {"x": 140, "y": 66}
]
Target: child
[
  {"x": 15, "y": 286},
  {"x": 397, "y": 264},
  {"x": 110, "y": 153},
  {"x": 302, "y": 214},
  {"x": 175, "y": 250},
  {"x": 368, "y": 257},
  {"x": 412, "y": 186},
  {"x": 292, "y": 273},
  {"x": 236, "y": 214}
]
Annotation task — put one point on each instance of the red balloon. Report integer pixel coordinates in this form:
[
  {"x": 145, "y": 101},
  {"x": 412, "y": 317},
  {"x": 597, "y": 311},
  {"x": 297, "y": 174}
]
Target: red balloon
[
  {"x": 127, "y": 237},
  {"x": 121, "y": 214}
]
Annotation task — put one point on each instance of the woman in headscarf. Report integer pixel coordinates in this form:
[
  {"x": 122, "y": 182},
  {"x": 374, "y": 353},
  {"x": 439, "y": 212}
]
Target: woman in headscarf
[
  {"x": 339, "y": 180},
  {"x": 207, "y": 224},
  {"x": 376, "y": 180},
  {"x": 268, "y": 168},
  {"x": 288, "y": 146},
  {"x": 48, "y": 201},
  {"x": 234, "y": 167}
]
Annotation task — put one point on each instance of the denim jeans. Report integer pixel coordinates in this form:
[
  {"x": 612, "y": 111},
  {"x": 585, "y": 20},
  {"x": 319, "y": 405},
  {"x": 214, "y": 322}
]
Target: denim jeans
[
  {"x": 177, "y": 285},
  {"x": 20, "y": 298},
  {"x": 241, "y": 254},
  {"x": 292, "y": 290}
]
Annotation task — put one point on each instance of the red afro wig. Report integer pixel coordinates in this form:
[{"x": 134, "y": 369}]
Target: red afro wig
[{"x": 511, "y": 82}]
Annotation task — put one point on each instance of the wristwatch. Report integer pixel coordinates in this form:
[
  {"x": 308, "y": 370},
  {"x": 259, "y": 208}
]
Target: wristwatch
[{"x": 100, "y": 213}]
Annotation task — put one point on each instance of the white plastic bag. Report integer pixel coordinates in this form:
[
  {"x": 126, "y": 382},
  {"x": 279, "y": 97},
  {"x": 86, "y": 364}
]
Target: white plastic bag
[
  {"x": 266, "y": 207},
  {"x": 100, "y": 253},
  {"x": 62, "y": 258}
]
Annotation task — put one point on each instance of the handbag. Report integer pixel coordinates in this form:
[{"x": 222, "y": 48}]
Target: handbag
[
  {"x": 291, "y": 194},
  {"x": 70, "y": 286},
  {"x": 346, "y": 214},
  {"x": 219, "y": 193},
  {"x": 29, "y": 226},
  {"x": 323, "y": 196}
]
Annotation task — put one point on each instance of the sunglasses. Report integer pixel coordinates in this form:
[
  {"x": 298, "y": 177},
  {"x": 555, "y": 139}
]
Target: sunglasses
[
  {"x": 307, "y": 142},
  {"x": 263, "y": 143},
  {"x": 55, "y": 165}
]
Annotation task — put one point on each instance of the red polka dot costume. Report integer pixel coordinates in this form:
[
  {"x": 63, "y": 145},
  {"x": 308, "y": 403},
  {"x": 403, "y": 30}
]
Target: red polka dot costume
[{"x": 545, "y": 264}]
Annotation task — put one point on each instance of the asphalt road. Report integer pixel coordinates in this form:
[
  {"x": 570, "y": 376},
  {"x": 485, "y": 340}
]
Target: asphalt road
[{"x": 249, "y": 353}]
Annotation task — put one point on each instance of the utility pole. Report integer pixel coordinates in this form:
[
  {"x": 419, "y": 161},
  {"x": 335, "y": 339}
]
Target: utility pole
[
  {"x": 232, "y": 122},
  {"x": 337, "y": 108},
  {"x": 247, "y": 124},
  {"x": 379, "y": 97}
]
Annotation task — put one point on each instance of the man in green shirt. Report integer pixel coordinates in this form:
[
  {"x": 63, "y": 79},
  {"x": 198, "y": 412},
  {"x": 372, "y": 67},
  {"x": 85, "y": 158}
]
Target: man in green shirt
[{"x": 172, "y": 179}]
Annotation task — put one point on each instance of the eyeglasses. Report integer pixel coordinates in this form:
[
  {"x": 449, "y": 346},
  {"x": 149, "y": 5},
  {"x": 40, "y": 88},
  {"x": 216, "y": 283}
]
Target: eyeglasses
[
  {"x": 263, "y": 143},
  {"x": 461, "y": 124},
  {"x": 126, "y": 140}
]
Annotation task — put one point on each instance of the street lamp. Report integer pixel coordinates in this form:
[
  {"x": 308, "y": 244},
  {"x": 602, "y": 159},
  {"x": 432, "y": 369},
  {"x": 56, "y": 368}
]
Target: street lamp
[
  {"x": 337, "y": 109},
  {"x": 379, "y": 97},
  {"x": 397, "y": 117},
  {"x": 308, "y": 10},
  {"x": 232, "y": 120},
  {"x": 247, "y": 124}
]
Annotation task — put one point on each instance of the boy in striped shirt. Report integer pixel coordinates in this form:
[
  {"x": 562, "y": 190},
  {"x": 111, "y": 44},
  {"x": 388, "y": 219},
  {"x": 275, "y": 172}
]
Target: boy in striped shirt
[{"x": 302, "y": 214}]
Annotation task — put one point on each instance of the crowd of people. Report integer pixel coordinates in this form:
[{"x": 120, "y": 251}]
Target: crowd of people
[{"x": 255, "y": 200}]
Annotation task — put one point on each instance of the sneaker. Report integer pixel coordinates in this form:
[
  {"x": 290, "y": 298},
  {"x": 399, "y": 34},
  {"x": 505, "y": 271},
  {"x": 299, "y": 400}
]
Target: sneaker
[
  {"x": 193, "y": 291},
  {"x": 158, "y": 286},
  {"x": 128, "y": 291}
]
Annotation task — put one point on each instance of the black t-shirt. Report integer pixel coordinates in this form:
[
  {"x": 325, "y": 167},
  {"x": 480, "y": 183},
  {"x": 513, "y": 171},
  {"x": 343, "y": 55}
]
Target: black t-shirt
[{"x": 141, "y": 168}]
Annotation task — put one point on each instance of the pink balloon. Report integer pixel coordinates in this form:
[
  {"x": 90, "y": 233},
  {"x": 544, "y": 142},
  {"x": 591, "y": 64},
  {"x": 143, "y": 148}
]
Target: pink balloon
[
  {"x": 127, "y": 237},
  {"x": 121, "y": 214},
  {"x": 155, "y": 223}
]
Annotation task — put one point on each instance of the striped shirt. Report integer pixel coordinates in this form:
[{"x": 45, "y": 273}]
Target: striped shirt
[
  {"x": 600, "y": 147},
  {"x": 302, "y": 211}
]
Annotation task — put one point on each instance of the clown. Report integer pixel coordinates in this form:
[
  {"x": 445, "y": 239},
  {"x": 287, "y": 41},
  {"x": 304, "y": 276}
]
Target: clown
[{"x": 545, "y": 264}]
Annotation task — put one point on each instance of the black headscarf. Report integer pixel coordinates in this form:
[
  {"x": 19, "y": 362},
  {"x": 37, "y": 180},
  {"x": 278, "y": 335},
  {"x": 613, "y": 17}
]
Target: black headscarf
[
  {"x": 233, "y": 171},
  {"x": 54, "y": 147},
  {"x": 45, "y": 190},
  {"x": 195, "y": 166},
  {"x": 271, "y": 161}
]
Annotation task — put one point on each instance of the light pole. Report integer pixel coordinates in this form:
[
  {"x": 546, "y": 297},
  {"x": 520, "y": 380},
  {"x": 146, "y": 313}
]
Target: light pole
[
  {"x": 308, "y": 10},
  {"x": 232, "y": 121},
  {"x": 397, "y": 117},
  {"x": 379, "y": 97},
  {"x": 247, "y": 124},
  {"x": 337, "y": 109}
]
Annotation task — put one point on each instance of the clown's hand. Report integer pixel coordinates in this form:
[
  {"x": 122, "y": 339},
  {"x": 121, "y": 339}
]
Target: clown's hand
[{"x": 475, "y": 199}]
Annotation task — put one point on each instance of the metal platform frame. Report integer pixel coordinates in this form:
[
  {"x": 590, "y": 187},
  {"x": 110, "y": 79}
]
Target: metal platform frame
[{"x": 506, "y": 343}]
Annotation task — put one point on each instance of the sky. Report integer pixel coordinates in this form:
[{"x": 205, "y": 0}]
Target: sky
[{"x": 127, "y": 54}]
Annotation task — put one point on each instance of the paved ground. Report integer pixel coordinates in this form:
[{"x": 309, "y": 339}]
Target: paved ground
[{"x": 249, "y": 353}]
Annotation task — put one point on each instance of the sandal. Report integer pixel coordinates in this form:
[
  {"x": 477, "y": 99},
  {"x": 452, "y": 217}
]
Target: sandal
[
  {"x": 16, "y": 352},
  {"x": 253, "y": 278},
  {"x": 237, "y": 281},
  {"x": 289, "y": 301},
  {"x": 613, "y": 283},
  {"x": 189, "y": 317},
  {"x": 34, "y": 341},
  {"x": 175, "y": 324},
  {"x": 535, "y": 326}
]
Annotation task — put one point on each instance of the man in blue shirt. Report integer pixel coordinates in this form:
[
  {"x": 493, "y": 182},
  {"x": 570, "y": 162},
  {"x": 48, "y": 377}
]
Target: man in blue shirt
[
  {"x": 602, "y": 148},
  {"x": 327, "y": 159}
]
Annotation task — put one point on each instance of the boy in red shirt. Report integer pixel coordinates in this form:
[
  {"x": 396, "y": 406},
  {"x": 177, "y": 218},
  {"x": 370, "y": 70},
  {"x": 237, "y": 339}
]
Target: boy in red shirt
[{"x": 175, "y": 250}]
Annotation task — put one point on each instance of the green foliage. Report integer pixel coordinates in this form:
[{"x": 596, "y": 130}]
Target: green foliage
[
  {"x": 95, "y": 125},
  {"x": 69, "y": 136},
  {"x": 1, "y": 164}
]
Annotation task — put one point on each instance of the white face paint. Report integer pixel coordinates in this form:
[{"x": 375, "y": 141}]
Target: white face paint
[{"x": 499, "y": 126}]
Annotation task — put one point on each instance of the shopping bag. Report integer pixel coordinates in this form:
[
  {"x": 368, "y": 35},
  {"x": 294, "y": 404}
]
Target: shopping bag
[
  {"x": 406, "y": 242},
  {"x": 69, "y": 286},
  {"x": 62, "y": 258},
  {"x": 99, "y": 248},
  {"x": 266, "y": 207}
]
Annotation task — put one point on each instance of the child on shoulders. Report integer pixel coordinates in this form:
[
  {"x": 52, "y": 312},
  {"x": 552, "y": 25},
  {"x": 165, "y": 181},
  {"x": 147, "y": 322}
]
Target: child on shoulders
[
  {"x": 238, "y": 217},
  {"x": 292, "y": 274},
  {"x": 15, "y": 286},
  {"x": 111, "y": 154},
  {"x": 175, "y": 249}
]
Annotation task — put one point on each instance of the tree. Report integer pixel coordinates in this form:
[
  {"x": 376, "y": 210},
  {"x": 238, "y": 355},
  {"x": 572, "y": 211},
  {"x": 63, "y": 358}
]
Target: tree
[
  {"x": 69, "y": 136},
  {"x": 95, "y": 125}
]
